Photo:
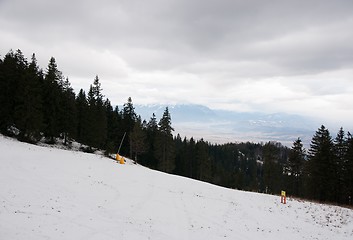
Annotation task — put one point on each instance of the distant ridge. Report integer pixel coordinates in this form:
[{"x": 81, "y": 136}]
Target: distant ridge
[{"x": 222, "y": 126}]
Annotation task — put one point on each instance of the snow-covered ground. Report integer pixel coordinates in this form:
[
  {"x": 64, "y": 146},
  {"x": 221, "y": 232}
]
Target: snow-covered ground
[{"x": 48, "y": 193}]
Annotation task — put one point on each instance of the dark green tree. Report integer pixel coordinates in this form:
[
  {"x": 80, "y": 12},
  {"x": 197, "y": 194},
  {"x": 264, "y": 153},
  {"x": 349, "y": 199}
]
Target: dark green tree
[
  {"x": 97, "y": 125},
  {"x": 190, "y": 160},
  {"x": 296, "y": 162},
  {"x": 129, "y": 119},
  {"x": 113, "y": 124},
  {"x": 138, "y": 140},
  {"x": 321, "y": 167},
  {"x": 164, "y": 144},
  {"x": 68, "y": 116},
  {"x": 203, "y": 161},
  {"x": 148, "y": 158},
  {"x": 51, "y": 101},
  {"x": 271, "y": 168},
  {"x": 348, "y": 170},
  {"x": 82, "y": 117},
  {"x": 28, "y": 109},
  {"x": 12, "y": 70},
  {"x": 340, "y": 152}
]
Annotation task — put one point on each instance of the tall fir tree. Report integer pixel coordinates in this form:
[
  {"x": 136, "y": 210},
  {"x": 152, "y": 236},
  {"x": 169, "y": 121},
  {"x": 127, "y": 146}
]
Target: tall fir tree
[
  {"x": 51, "y": 101},
  {"x": 203, "y": 161},
  {"x": 138, "y": 140},
  {"x": 148, "y": 158},
  {"x": 97, "y": 125},
  {"x": 271, "y": 168},
  {"x": 296, "y": 162},
  {"x": 340, "y": 152},
  {"x": 129, "y": 119},
  {"x": 28, "y": 110},
  {"x": 68, "y": 116},
  {"x": 82, "y": 117},
  {"x": 348, "y": 167},
  {"x": 321, "y": 167},
  {"x": 113, "y": 125},
  {"x": 164, "y": 144},
  {"x": 12, "y": 70}
]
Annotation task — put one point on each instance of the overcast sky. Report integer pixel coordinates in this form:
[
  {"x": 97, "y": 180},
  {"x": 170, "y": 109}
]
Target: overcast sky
[{"x": 271, "y": 56}]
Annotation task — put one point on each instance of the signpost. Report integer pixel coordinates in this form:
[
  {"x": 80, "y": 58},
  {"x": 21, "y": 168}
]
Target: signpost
[{"x": 283, "y": 197}]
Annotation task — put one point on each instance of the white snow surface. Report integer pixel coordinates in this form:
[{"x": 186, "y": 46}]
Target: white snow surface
[{"x": 49, "y": 193}]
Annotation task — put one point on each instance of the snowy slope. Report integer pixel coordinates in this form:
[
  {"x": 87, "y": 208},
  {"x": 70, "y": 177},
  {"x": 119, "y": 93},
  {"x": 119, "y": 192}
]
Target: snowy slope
[{"x": 48, "y": 193}]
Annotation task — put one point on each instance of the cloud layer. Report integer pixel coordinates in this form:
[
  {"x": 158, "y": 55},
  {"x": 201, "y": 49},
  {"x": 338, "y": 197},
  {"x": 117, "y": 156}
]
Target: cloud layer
[{"x": 289, "y": 56}]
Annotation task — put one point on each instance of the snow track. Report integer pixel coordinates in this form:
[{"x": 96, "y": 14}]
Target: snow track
[{"x": 48, "y": 193}]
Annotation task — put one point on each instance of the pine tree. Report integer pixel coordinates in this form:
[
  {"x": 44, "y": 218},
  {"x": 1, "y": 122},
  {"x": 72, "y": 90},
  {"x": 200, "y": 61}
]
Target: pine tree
[
  {"x": 348, "y": 176},
  {"x": 203, "y": 161},
  {"x": 271, "y": 168},
  {"x": 152, "y": 124},
  {"x": 129, "y": 115},
  {"x": 97, "y": 125},
  {"x": 178, "y": 156},
  {"x": 3, "y": 98},
  {"x": 82, "y": 117},
  {"x": 129, "y": 118},
  {"x": 12, "y": 71},
  {"x": 321, "y": 167},
  {"x": 68, "y": 116},
  {"x": 51, "y": 101},
  {"x": 113, "y": 121},
  {"x": 28, "y": 110},
  {"x": 164, "y": 144},
  {"x": 295, "y": 166},
  {"x": 148, "y": 158},
  {"x": 137, "y": 140},
  {"x": 340, "y": 151}
]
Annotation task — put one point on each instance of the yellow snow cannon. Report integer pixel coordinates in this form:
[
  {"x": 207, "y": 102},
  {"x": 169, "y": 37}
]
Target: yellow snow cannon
[{"x": 120, "y": 159}]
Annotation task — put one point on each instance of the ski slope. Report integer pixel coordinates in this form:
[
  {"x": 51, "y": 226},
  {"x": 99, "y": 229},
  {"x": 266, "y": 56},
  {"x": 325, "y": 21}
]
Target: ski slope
[{"x": 49, "y": 193}]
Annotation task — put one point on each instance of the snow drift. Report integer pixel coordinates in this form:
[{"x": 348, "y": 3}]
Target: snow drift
[{"x": 49, "y": 193}]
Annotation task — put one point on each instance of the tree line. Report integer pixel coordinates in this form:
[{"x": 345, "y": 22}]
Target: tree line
[{"x": 39, "y": 105}]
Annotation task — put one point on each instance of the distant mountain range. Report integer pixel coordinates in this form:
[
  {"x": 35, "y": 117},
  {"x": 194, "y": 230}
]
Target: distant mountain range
[{"x": 221, "y": 126}]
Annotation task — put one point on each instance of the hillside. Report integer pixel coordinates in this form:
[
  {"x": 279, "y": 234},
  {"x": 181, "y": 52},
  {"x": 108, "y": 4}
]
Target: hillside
[{"x": 48, "y": 193}]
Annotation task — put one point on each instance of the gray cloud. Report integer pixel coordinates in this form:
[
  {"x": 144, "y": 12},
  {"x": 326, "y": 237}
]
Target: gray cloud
[{"x": 244, "y": 55}]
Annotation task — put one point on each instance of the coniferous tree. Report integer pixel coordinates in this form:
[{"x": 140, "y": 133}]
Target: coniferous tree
[
  {"x": 321, "y": 167},
  {"x": 129, "y": 118},
  {"x": 3, "y": 98},
  {"x": 97, "y": 124},
  {"x": 251, "y": 174},
  {"x": 340, "y": 152},
  {"x": 190, "y": 161},
  {"x": 112, "y": 127},
  {"x": 148, "y": 157},
  {"x": 12, "y": 71},
  {"x": 271, "y": 168},
  {"x": 165, "y": 149},
  {"x": 295, "y": 166},
  {"x": 51, "y": 101},
  {"x": 28, "y": 110},
  {"x": 203, "y": 161},
  {"x": 240, "y": 169},
  {"x": 129, "y": 115},
  {"x": 68, "y": 113},
  {"x": 348, "y": 170},
  {"x": 178, "y": 155},
  {"x": 82, "y": 117},
  {"x": 137, "y": 140}
]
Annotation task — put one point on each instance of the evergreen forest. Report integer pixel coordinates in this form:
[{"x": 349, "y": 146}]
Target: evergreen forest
[{"x": 40, "y": 105}]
